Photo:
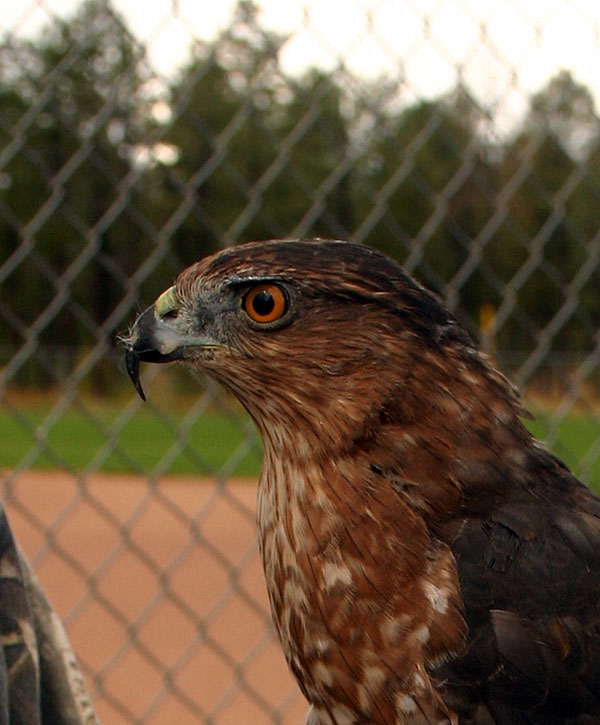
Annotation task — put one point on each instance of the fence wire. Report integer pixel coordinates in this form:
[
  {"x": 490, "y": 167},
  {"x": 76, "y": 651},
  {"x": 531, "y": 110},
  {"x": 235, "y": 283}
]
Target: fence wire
[{"x": 129, "y": 148}]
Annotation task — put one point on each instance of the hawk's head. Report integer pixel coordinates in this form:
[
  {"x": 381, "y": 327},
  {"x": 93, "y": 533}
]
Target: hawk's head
[{"x": 322, "y": 337}]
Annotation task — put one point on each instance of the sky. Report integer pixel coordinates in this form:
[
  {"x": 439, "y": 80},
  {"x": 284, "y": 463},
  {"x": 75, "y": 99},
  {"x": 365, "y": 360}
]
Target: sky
[{"x": 503, "y": 49}]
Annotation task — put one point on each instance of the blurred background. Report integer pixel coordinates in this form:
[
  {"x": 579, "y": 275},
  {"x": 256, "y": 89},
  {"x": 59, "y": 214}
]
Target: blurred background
[{"x": 462, "y": 137}]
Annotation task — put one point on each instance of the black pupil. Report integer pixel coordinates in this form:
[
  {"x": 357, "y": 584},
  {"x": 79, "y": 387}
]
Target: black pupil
[{"x": 263, "y": 303}]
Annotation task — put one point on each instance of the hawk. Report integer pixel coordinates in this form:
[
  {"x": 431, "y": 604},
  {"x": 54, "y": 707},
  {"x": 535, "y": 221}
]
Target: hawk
[{"x": 426, "y": 559}]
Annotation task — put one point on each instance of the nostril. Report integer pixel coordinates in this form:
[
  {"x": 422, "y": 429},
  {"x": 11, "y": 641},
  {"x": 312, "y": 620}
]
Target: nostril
[{"x": 171, "y": 315}]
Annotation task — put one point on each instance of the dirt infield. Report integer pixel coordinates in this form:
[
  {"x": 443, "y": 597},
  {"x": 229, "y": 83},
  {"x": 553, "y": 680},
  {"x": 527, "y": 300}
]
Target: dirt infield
[{"x": 162, "y": 594}]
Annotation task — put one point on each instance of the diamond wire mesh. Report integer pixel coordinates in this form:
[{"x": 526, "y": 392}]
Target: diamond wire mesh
[{"x": 113, "y": 177}]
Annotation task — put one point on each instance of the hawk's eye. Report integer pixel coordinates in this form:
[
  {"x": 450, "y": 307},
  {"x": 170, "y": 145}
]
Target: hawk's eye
[{"x": 265, "y": 303}]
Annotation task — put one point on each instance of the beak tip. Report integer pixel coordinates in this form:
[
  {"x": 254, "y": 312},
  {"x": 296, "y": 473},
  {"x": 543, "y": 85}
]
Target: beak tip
[{"x": 132, "y": 363}]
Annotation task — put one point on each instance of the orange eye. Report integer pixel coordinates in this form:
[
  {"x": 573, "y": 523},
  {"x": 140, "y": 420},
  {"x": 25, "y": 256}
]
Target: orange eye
[{"x": 265, "y": 303}]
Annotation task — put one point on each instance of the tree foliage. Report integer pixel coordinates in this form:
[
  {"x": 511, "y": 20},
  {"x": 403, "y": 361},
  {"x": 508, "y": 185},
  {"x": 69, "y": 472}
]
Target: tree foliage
[{"x": 103, "y": 168}]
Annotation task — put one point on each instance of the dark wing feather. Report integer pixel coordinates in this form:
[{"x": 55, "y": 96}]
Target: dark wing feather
[{"x": 529, "y": 572}]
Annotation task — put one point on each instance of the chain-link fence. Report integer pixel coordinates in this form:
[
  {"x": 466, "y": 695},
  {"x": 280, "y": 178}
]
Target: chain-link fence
[{"x": 460, "y": 137}]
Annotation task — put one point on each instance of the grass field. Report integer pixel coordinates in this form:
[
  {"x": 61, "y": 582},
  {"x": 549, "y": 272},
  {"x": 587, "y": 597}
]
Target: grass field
[
  {"x": 94, "y": 438},
  {"x": 575, "y": 440}
]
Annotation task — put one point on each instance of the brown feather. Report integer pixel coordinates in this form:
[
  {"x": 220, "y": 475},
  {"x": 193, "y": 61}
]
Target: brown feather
[{"x": 426, "y": 560}]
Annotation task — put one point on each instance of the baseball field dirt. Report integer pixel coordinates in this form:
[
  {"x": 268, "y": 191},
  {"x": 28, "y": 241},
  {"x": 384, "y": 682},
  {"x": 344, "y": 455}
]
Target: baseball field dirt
[{"x": 161, "y": 590}]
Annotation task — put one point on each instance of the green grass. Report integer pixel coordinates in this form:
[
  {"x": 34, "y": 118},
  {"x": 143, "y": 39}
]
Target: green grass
[
  {"x": 575, "y": 440},
  {"x": 90, "y": 435},
  {"x": 95, "y": 438}
]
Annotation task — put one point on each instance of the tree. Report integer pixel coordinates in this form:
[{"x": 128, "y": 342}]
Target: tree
[
  {"x": 252, "y": 146},
  {"x": 545, "y": 237},
  {"x": 218, "y": 128},
  {"x": 427, "y": 166},
  {"x": 73, "y": 108}
]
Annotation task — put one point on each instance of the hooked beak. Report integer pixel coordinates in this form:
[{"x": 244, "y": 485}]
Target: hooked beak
[{"x": 155, "y": 338}]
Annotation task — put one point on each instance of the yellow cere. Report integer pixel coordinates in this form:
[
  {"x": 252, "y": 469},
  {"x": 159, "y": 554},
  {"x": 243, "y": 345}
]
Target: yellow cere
[{"x": 167, "y": 302}]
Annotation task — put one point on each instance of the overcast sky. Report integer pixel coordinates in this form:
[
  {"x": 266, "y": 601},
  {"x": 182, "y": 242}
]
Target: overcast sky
[{"x": 505, "y": 48}]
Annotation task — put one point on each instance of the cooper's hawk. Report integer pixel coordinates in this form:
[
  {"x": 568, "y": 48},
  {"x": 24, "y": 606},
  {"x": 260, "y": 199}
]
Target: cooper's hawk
[{"x": 426, "y": 559}]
